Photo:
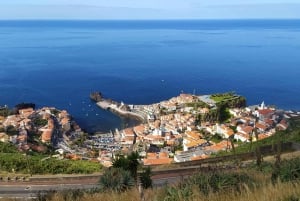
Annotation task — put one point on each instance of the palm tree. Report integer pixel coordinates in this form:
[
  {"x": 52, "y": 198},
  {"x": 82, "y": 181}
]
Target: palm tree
[
  {"x": 258, "y": 152},
  {"x": 116, "y": 179},
  {"x": 145, "y": 178},
  {"x": 251, "y": 141},
  {"x": 129, "y": 163},
  {"x": 133, "y": 162}
]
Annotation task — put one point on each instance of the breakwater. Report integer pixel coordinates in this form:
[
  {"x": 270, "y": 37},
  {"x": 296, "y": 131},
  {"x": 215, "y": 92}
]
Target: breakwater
[{"x": 119, "y": 109}]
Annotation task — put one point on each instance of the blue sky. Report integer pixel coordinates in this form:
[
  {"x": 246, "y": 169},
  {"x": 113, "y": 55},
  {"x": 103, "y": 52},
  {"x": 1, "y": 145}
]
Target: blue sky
[{"x": 148, "y": 9}]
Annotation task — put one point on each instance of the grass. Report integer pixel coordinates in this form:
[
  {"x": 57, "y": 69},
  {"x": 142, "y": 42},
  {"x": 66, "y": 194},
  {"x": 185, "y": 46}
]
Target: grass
[
  {"x": 269, "y": 192},
  {"x": 247, "y": 184},
  {"x": 223, "y": 97}
]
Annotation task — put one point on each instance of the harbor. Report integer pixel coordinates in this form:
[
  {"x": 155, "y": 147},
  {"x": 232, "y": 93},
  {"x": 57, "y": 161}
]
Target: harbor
[{"x": 120, "y": 109}]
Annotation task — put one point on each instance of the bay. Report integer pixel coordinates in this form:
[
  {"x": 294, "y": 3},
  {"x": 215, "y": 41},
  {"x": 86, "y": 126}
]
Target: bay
[{"x": 58, "y": 63}]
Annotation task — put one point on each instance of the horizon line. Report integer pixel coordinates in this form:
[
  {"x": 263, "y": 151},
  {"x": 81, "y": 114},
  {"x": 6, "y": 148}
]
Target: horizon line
[{"x": 148, "y": 19}]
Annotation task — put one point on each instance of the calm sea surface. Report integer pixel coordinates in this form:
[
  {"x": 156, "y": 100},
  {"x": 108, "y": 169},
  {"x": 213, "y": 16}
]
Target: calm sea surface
[{"x": 58, "y": 63}]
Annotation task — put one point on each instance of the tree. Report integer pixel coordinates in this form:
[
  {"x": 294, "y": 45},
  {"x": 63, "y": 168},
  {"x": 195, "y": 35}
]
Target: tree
[
  {"x": 257, "y": 151},
  {"x": 130, "y": 163},
  {"x": 133, "y": 163},
  {"x": 116, "y": 179},
  {"x": 146, "y": 178}
]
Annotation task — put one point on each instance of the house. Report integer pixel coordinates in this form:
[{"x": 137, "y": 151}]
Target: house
[
  {"x": 261, "y": 127},
  {"x": 269, "y": 122},
  {"x": 157, "y": 161},
  {"x": 46, "y": 135},
  {"x": 160, "y": 158},
  {"x": 190, "y": 155},
  {"x": 139, "y": 130},
  {"x": 282, "y": 125},
  {"x": 192, "y": 140},
  {"x": 235, "y": 112},
  {"x": 65, "y": 123},
  {"x": 189, "y": 144},
  {"x": 25, "y": 113},
  {"x": 25, "y": 123},
  {"x": 155, "y": 139},
  {"x": 199, "y": 157},
  {"x": 12, "y": 120},
  {"x": 264, "y": 114},
  {"x": 1, "y": 119},
  {"x": 247, "y": 130},
  {"x": 221, "y": 146},
  {"x": 225, "y": 131},
  {"x": 22, "y": 137},
  {"x": 128, "y": 132},
  {"x": 127, "y": 140},
  {"x": 243, "y": 137},
  {"x": 4, "y": 137},
  {"x": 169, "y": 106}
]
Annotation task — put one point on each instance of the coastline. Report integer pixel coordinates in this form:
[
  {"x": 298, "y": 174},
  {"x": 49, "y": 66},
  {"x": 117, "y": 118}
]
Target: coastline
[{"x": 118, "y": 111}]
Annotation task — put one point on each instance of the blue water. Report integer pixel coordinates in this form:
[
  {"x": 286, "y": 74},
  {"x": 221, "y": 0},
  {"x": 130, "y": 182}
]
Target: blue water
[{"x": 58, "y": 63}]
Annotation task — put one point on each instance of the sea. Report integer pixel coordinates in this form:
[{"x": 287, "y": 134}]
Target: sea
[{"x": 59, "y": 63}]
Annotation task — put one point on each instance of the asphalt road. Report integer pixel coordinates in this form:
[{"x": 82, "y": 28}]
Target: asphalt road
[{"x": 27, "y": 190}]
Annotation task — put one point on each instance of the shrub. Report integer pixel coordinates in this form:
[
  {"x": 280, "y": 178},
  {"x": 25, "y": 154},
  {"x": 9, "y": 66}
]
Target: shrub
[
  {"x": 146, "y": 178},
  {"x": 289, "y": 170},
  {"x": 116, "y": 179},
  {"x": 219, "y": 181},
  {"x": 177, "y": 194}
]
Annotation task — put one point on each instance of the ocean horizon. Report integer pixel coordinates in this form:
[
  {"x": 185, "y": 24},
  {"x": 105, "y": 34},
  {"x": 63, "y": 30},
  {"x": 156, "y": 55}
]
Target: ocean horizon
[{"x": 59, "y": 63}]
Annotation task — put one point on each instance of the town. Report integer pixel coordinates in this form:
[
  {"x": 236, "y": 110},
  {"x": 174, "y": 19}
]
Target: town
[
  {"x": 184, "y": 128},
  {"x": 190, "y": 127}
]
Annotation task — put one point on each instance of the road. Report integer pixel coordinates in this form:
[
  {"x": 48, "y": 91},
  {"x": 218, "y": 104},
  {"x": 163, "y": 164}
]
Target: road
[
  {"x": 27, "y": 189},
  {"x": 30, "y": 189}
]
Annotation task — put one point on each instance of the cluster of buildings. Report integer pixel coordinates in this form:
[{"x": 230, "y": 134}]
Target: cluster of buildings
[
  {"x": 29, "y": 127},
  {"x": 172, "y": 133}
]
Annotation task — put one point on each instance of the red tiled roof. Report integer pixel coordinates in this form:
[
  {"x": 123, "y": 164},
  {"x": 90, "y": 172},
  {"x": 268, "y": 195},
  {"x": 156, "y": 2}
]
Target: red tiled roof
[
  {"x": 261, "y": 126},
  {"x": 265, "y": 111},
  {"x": 159, "y": 161},
  {"x": 194, "y": 158},
  {"x": 247, "y": 129}
]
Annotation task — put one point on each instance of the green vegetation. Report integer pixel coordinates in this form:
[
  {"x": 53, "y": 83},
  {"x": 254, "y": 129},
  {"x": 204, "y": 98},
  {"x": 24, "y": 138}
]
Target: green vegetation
[
  {"x": 11, "y": 130},
  {"x": 229, "y": 99},
  {"x": 288, "y": 170},
  {"x": 146, "y": 178},
  {"x": 13, "y": 161},
  {"x": 129, "y": 163},
  {"x": 7, "y": 148},
  {"x": 6, "y": 112},
  {"x": 116, "y": 180},
  {"x": 219, "y": 97},
  {"x": 198, "y": 104},
  {"x": 230, "y": 185},
  {"x": 40, "y": 122},
  {"x": 292, "y": 134},
  {"x": 219, "y": 114},
  {"x": 81, "y": 139},
  {"x": 55, "y": 112},
  {"x": 216, "y": 138},
  {"x": 123, "y": 175}
]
